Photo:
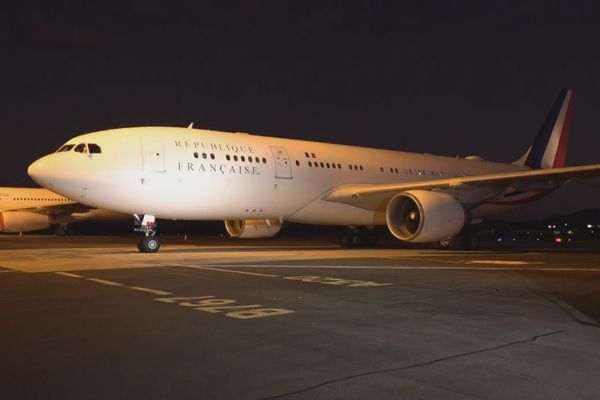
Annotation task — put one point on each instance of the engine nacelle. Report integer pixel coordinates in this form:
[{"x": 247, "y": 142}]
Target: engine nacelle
[
  {"x": 23, "y": 221},
  {"x": 252, "y": 228},
  {"x": 421, "y": 216}
]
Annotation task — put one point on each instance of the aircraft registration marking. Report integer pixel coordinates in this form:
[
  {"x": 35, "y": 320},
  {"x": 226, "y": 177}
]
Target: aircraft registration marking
[{"x": 213, "y": 305}]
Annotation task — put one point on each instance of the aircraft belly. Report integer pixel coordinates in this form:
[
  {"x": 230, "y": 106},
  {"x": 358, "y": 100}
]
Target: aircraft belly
[{"x": 320, "y": 212}]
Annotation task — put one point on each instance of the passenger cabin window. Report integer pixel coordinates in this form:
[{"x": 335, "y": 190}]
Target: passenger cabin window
[{"x": 80, "y": 148}]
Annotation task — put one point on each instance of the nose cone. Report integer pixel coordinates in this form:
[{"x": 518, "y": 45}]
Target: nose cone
[{"x": 42, "y": 171}]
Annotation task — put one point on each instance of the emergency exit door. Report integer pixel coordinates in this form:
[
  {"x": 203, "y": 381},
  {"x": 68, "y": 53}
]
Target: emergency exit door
[
  {"x": 283, "y": 167},
  {"x": 153, "y": 158}
]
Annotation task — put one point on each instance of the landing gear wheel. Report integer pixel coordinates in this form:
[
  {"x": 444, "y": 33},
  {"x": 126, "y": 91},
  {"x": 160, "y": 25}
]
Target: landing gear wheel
[
  {"x": 359, "y": 238},
  {"x": 146, "y": 224},
  {"x": 149, "y": 244},
  {"x": 473, "y": 243},
  {"x": 356, "y": 240},
  {"x": 459, "y": 242},
  {"x": 451, "y": 243},
  {"x": 345, "y": 240}
]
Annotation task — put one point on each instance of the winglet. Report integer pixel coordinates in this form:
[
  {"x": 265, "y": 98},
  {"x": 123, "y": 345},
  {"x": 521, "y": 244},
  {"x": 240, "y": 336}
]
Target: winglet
[
  {"x": 549, "y": 149},
  {"x": 191, "y": 125}
]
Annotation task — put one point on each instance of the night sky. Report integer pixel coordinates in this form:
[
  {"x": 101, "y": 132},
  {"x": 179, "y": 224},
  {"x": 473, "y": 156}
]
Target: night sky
[{"x": 445, "y": 77}]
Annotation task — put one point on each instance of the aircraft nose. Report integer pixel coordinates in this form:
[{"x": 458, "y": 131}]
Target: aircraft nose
[{"x": 42, "y": 171}]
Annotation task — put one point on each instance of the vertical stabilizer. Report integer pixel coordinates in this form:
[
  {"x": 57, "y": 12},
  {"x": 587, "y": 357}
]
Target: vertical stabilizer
[{"x": 549, "y": 149}]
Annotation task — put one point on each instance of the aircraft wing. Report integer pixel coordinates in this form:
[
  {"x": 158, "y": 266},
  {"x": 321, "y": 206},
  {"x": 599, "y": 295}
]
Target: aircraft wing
[
  {"x": 376, "y": 197},
  {"x": 54, "y": 209}
]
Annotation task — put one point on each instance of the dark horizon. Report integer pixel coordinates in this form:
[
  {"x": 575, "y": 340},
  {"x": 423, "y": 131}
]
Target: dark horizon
[{"x": 439, "y": 78}]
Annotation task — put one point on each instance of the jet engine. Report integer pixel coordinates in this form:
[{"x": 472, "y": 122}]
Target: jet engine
[
  {"x": 23, "y": 221},
  {"x": 252, "y": 228},
  {"x": 421, "y": 216}
]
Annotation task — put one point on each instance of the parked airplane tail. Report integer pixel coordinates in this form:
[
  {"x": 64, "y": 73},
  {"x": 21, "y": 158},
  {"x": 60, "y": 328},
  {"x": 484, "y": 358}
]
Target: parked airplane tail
[{"x": 549, "y": 149}]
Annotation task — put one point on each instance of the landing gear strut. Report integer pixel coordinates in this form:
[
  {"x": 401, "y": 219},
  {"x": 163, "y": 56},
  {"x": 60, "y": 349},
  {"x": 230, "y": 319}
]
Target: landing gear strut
[
  {"x": 354, "y": 237},
  {"x": 149, "y": 243},
  {"x": 462, "y": 241}
]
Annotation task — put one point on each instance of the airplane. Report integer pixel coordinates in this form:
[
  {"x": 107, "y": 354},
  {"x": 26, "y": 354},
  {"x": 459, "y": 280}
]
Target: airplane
[
  {"x": 33, "y": 209},
  {"x": 256, "y": 183}
]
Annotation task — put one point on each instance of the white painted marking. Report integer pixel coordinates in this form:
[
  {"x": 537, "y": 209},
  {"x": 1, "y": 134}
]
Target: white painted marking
[
  {"x": 504, "y": 262},
  {"x": 105, "y": 282},
  {"x": 153, "y": 291},
  {"x": 226, "y": 270},
  {"x": 450, "y": 268},
  {"x": 69, "y": 274}
]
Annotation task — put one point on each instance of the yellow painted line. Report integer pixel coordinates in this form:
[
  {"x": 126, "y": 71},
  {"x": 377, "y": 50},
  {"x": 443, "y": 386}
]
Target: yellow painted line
[
  {"x": 69, "y": 274},
  {"x": 503, "y": 262},
  {"x": 227, "y": 270},
  {"x": 451, "y": 268},
  {"x": 425, "y": 259},
  {"x": 105, "y": 282},
  {"x": 153, "y": 291}
]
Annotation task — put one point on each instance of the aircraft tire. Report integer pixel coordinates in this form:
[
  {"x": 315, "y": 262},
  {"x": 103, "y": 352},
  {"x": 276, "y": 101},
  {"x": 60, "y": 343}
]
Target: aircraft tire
[
  {"x": 453, "y": 243},
  {"x": 473, "y": 243},
  {"x": 149, "y": 244}
]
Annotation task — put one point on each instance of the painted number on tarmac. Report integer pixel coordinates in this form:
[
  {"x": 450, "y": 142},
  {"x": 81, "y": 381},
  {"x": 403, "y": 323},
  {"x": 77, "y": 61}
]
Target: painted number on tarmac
[
  {"x": 325, "y": 280},
  {"x": 213, "y": 305}
]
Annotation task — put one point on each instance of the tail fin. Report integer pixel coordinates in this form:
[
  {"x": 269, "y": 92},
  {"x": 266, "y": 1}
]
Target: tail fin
[{"x": 549, "y": 149}]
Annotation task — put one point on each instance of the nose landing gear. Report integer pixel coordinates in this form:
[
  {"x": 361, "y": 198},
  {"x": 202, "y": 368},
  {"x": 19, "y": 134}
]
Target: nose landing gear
[{"x": 149, "y": 243}]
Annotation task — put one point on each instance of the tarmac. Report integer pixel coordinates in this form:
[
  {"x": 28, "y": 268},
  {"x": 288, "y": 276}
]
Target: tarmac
[{"x": 210, "y": 318}]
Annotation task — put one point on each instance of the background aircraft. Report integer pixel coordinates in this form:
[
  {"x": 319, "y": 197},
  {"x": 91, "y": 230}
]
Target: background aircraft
[
  {"x": 33, "y": 209},
  {"x": 255, "y": 183}
]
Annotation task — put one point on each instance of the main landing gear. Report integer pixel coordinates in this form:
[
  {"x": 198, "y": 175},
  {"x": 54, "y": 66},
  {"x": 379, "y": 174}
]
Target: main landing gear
[
  {"x": 358, "y": 237},
  {"x": 149, "y": 243},
  {"x": 462, "y": 241}
]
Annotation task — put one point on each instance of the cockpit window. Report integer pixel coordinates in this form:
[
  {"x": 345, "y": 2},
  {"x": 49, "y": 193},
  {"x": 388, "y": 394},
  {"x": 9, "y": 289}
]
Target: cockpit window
[
  {"x": 80, "y": 148},
  {"x": 66, "y": 147},
  {"x": 94, "y": 148}
]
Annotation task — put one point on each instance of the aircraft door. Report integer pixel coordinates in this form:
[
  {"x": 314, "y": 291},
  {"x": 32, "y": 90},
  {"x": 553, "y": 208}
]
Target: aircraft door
[
  {"x": 283, "y": 167},
  {"x": 153, "y": 158}
]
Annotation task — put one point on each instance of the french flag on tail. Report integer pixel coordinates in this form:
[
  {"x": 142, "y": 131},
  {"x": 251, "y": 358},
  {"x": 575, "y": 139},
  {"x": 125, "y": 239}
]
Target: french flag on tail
[{"x": 549, "y": 149}]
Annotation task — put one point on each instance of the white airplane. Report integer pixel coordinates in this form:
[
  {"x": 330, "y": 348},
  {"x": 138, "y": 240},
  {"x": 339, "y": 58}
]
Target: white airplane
[
  {"x": 33, "y": 209},
  {"x": 256, "y": 183}
]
